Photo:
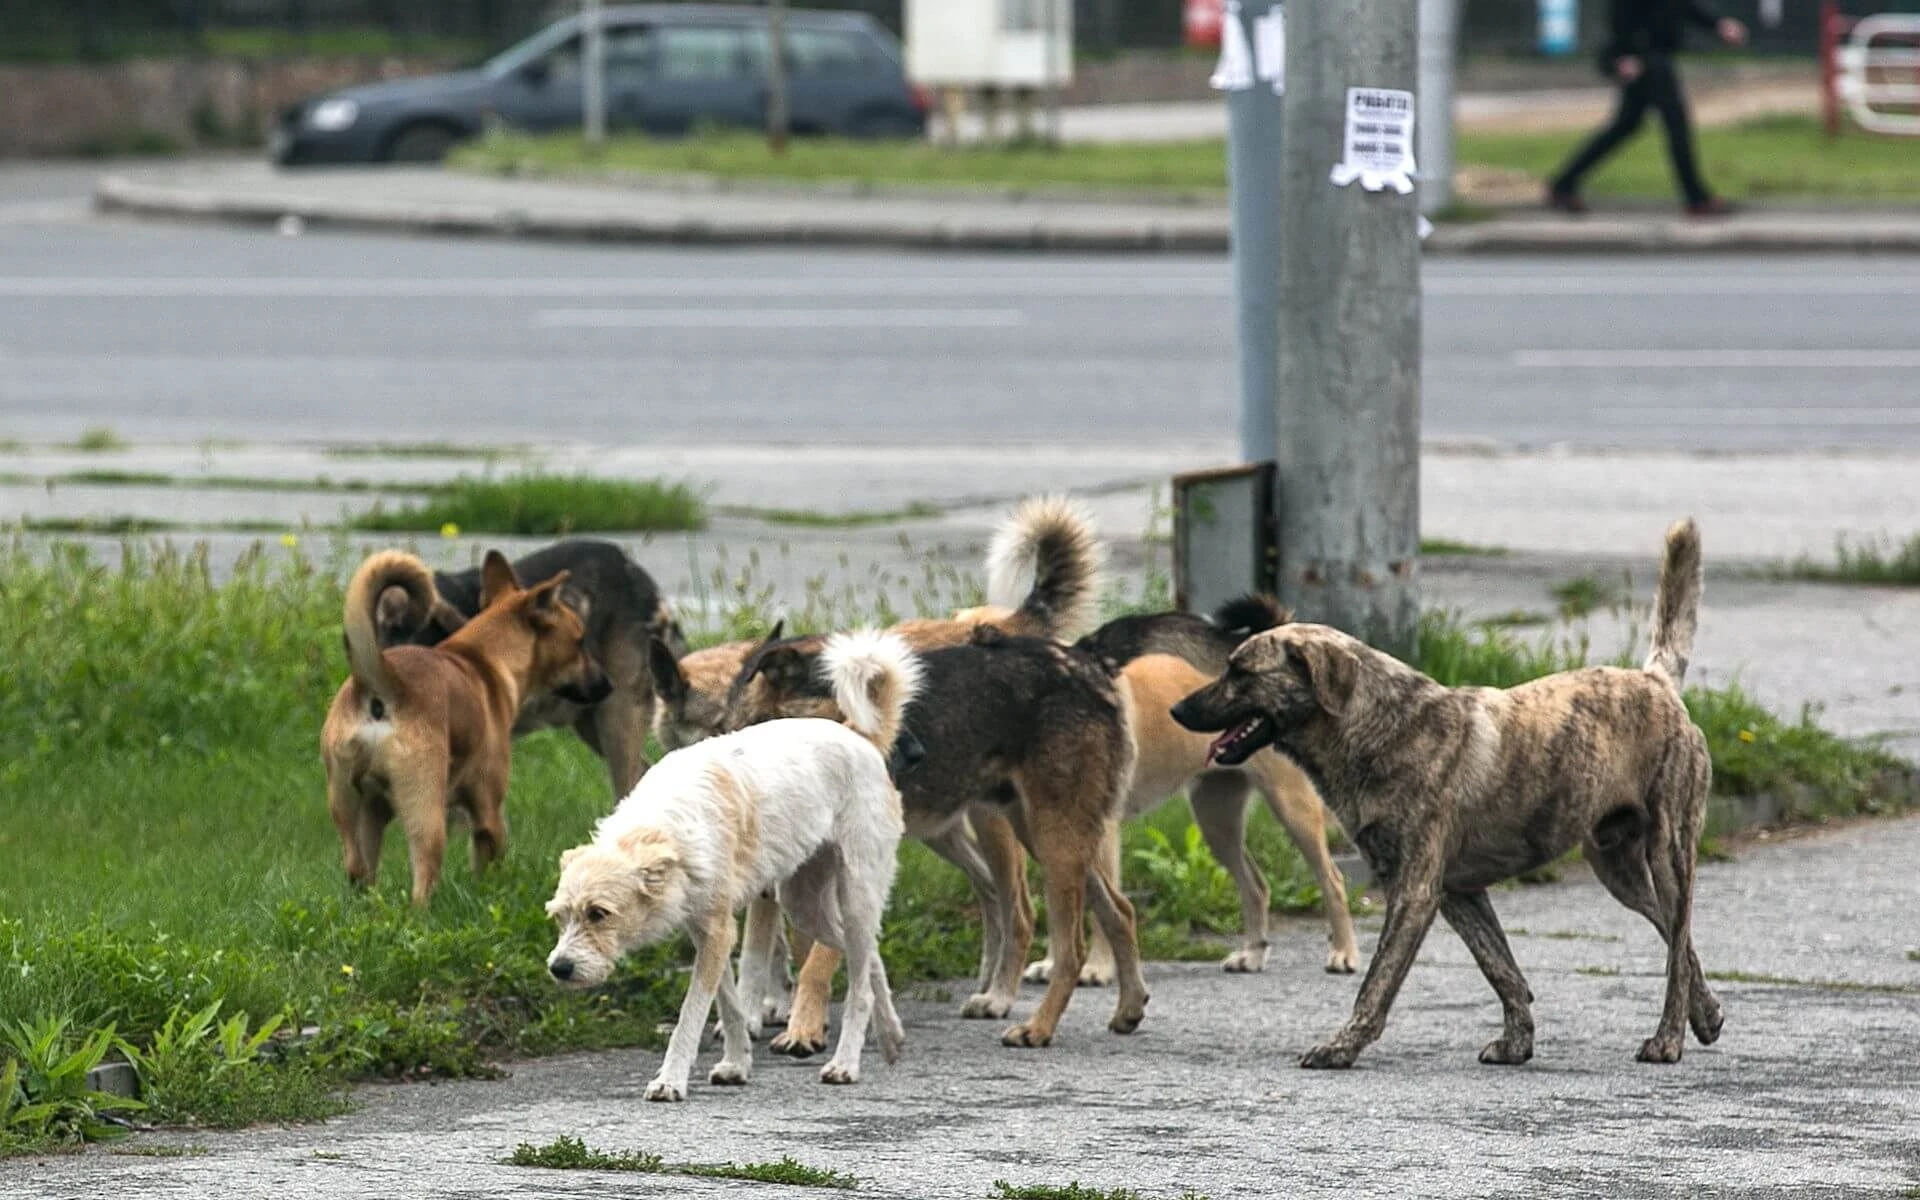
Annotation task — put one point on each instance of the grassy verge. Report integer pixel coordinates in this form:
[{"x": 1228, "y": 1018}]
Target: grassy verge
[
  {"x": 538, "y": 504},
  {"x": 571, "y": 1154},
  {"x": 1883, "y": 562},
  {"x": 1774, "y": 157},
  {"x": 169, "y": 881}
]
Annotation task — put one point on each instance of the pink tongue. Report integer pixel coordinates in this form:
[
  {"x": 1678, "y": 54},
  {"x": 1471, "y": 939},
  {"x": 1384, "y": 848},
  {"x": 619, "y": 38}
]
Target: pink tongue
[{"x": 1213, "y": 747}]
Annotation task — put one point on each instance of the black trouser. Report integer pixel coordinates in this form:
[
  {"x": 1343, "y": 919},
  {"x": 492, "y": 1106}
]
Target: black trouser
[{"x": 1657, "y": 86}]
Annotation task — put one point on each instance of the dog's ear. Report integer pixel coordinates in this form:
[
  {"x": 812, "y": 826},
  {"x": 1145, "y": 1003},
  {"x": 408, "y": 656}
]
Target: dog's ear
[
  {"x": 1332, "y": 670},
  {"x": 576, "y": 598},
  {"x": 544, "y": 601},
  {"x": 653, "y": 859},
  {"x": 496, "y": 578},
  {"x": 669, "y": 681},
  {"x": 784, "y": 668}
]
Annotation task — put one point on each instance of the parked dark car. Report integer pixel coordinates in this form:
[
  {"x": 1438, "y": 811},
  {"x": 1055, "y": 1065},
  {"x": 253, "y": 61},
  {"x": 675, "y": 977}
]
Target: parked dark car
[{"x": 668, "y": 69}]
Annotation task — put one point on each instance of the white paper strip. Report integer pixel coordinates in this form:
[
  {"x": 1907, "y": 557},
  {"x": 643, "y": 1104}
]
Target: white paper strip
[
  {"x": 1378, "y": 150},
  {"x": 1234, "y": 72},
  {"x": 1270, "y": 49}
]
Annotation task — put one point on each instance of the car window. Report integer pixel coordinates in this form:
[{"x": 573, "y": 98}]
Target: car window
[
  {"x": 700, "y": 52},
  {"x": 563, "y": 61},
  {"x": 629, "y": 51},
  {"x": 827, "y": 52}
]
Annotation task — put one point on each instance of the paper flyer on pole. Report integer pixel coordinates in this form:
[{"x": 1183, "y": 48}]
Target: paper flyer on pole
[{"x": 1378, "y": 149}]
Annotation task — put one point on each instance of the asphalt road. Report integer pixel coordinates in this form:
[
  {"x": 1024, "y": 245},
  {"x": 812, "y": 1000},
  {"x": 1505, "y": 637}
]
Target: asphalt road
[
  {"x": 182, "y": 334},
  {"x": 1809, "y": 1092}
]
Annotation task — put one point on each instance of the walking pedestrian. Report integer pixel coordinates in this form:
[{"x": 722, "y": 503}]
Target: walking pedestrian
[{"x": 1646, "y": 34}]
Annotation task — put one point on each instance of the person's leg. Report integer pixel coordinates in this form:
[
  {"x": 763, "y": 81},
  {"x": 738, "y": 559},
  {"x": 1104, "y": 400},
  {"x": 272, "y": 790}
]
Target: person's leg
[
  {"x": 1664, "y": 94},
  {"x": 1626, "y": 120}
]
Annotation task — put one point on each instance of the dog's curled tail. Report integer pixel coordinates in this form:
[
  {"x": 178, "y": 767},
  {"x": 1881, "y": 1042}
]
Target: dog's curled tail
[
  {"x": 874, "y": 677},
  {"x": 1255, "y": 612},
  {"x": 387, "y": 569},
  {"x": 1676, "y": 606},
  {"x": 1051, "y": 541}
]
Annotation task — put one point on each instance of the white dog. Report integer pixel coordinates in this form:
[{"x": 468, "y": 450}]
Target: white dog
[{"x": 803, "y": 807}]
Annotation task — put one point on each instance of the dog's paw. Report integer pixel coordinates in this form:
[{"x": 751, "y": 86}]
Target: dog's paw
[
  {"x": 893, "y": 1041},
  {"x": 985, "y": 1006},
  {"x": 1342, "y": 962},
  {"x": 798, "y": 1044},
  {"x": 1025, "y": 1037},
  {"x": 1245, "y": 961},
  {"x": 1706, "y": 1022},
  {"x": 774, "y": 1014},
  {"x": 1096, "y": 975},
  {"x": 833, "y": 1072},
  {"x": 1332, "y": 1056},
  {"x": 1504, "y": 1053},
  {"x": 1040, "y": 972},
  {"x": 726, "y": 1074},
  {"x": 666, "y": 1091},
  {"x": 1126, "y": 1020},
  {"x": 1659, "y": 1050},
  {"x": 755, "y": 1031}
]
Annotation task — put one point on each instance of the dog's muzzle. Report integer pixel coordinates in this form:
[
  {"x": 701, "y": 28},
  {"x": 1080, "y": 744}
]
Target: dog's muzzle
[
  {"x": 908, "y": 753},
  {"x": 561, "y": 969},
  {"x": 591, "y": 688}
]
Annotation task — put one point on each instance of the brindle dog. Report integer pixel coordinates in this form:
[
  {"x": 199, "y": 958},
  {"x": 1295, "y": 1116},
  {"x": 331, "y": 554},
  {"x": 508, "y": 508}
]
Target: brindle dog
[{"x": 1450, "y": 790}]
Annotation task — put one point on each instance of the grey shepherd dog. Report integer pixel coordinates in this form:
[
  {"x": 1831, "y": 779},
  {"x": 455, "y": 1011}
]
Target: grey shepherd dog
[{"x": 1449, "y": 790}]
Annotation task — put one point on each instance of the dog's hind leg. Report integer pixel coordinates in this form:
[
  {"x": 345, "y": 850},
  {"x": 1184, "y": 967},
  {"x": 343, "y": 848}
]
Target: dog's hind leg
[
  {"x": 1297, "y": 807},
  {"x": 1472, "y": 917},
  {"x": 856, "y": 932},
  {"x": 1113, "y": 917},
  {"x": 806, "y": 1031},
  {"x": 736, "y": 1042},
  {"x": 1219, "y": 803},
  {"x": 1006, "y": 859},
  {"x": 420, "y": 798},
  {"x": 1412, "y": 875},
  {"x": 1677, "y": 807},
  {"x": 756, "y": 961},
  {"x": 953, "y": 844},
  {"x": 1617, "y": 852},
  {"x": 713, "y": 950},
  {"x": 488, "y": 805},
  {"x": 350, "y": 811},
  {"x": 616, "y": 730},
  {"x": 1098, "y": 970},
  {"x": 1067, "y": 855}
]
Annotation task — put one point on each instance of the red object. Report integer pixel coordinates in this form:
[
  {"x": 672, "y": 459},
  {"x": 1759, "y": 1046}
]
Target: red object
[
  {"x": 1831, "y": 27},
  {"x": 922, "y": 98},
  {"x": 1201, "y": 21}
]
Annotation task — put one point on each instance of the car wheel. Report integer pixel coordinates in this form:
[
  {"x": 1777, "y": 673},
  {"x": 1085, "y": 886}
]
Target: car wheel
[{"x": 420, "y": 144}]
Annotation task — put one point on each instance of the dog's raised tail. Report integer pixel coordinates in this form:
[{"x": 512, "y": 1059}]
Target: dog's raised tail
[
  {"x": 1050, "y": 541},
  {"x": 387, "y": 569},
  {"x": 874, "y": 676},
  {"x": 1676, "y": 606}
]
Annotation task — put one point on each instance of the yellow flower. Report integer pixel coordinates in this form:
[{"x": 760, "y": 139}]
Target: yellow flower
[
  {"x": 449, "y": 530},
  {"x": 289, "y": 541},
  {"x": 346, "y": 970},
  {"x": 1746, "y": 735}
]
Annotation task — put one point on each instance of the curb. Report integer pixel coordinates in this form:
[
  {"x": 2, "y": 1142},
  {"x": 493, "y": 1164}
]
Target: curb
[{"x": 1204, "y": 233}]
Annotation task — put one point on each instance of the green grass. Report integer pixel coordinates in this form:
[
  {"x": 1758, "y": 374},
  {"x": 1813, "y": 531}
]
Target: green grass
[
  {"x": 1583, "y": 594},
  {"x": 490, "y": 453},
  {"x": 1604, "y": 972},
  {"x": 160, "y": 1150},
  {"x": 539, "y": 504},
  {"x": 1781, "y": 157},
  {"x": 217, "y": 483},
  {"x": 1773, "y": 157},
  {"x": 1825, "y": 985},
  {"x": 1002, "y": 1190},
  {"x": 1516, "y": 618},
  {"x": 1883, "y": 562},
  {"x": 566, "y": 1153},
  {"x": 815, "y": 519},
  {"x": 1448, "y": 547},
  {"x": 100, "y": 439}
]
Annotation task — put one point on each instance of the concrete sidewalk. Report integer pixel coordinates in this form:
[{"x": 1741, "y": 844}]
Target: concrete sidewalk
[
  {"x": 700, "y": 211},
  {"x": 1809, "y": 1092}
]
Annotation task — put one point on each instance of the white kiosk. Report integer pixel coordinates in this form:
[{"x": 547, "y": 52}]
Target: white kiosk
[{"x": 992, "y": 49}]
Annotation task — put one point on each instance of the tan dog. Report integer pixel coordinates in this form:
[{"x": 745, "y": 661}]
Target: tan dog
[
  {"x": 1448, "y": 791},
  {"x": 417, "y": 732}
]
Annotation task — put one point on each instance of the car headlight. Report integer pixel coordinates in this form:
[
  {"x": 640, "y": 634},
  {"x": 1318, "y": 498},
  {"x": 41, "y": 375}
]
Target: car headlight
[{"x": 331, "y": 116}]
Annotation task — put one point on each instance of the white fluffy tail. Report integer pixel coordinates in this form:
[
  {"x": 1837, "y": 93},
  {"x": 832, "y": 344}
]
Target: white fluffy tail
[
  {"x": 874, "y": 677},
  {"x": 1676, "y": 605},
  {"x": 1045, "y": 563}
]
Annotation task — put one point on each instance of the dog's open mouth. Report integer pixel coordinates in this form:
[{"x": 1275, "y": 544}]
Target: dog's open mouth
[{"x": 1239, "y": 742}]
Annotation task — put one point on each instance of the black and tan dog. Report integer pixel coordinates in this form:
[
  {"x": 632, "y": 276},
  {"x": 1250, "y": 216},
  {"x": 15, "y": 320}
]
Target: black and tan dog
[
  {"x": 417, "y": 731},
  {"x": 1163, "y": 657},
  {"x": 623, "y": 610},
  {"x": 1450, "y": 790},
  {"x": 1017, "y": 729}
]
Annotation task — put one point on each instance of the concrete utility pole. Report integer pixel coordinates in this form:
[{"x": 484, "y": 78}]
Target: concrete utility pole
[
  {"x": 1439, "y": 42},
  {"x": 593, "y": 72},
  {"x": 777, "y": 76},
  {"x": 1348, "y": 414},
  {"x": 1253, "y": 198}
]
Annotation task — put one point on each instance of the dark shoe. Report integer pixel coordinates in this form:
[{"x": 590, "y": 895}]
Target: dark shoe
[
  {"x": 1566, "y": 202},
  {"x": 1712, "y": 206}
]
